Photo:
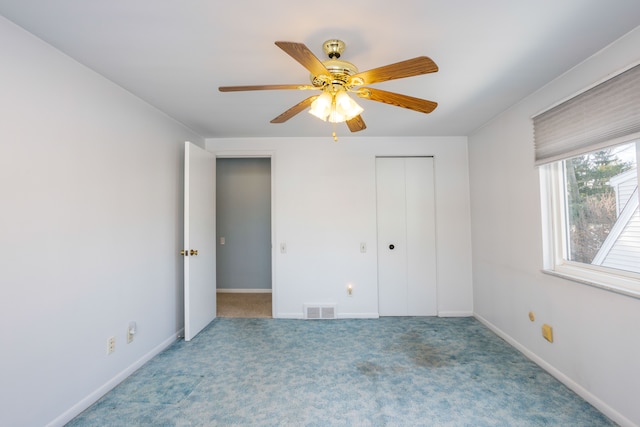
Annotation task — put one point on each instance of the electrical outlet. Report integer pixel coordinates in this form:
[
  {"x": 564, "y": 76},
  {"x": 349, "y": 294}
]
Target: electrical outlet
[
  {"x": 547, "y": 332},
  {"x": 111, "y": 345}
]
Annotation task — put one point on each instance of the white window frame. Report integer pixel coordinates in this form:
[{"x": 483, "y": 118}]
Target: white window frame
[{"x": 555, "y": 245}]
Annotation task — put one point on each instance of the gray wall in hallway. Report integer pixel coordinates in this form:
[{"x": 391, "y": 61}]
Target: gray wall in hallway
[{"x": 243, "y": 199}]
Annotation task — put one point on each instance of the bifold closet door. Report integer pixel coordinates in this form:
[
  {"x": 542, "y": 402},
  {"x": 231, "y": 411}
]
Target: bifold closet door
[{"x": 406, "y": 236}]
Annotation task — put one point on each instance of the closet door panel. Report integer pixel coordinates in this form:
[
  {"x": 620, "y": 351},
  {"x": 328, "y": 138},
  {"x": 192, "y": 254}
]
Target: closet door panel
[
  {"x": 421, "y": 242},
  {"x": 392, "y": 248}
]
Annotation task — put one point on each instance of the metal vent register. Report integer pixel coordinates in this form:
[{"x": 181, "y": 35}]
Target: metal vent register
[{"x": 325, "y": 311}]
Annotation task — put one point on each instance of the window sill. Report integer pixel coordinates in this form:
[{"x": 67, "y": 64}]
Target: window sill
[{"x": 621, "y": 285}]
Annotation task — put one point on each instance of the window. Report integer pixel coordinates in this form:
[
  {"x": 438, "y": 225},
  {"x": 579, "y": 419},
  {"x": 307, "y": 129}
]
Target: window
[
  {"x": 593, "y": 217},
  {"x": 588, "y": 150},
  {"x": 598, "y": 187}
]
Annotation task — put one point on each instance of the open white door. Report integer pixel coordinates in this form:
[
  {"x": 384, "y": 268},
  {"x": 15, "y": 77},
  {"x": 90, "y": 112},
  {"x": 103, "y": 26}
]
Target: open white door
[{"x": 199, "y": 239}]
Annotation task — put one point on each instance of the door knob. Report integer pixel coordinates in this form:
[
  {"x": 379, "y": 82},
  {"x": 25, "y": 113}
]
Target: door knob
[
  {"x": 184, "y": 253},
  {"x": 392, "y": 246},
  {"x": 193, "y": 252}
]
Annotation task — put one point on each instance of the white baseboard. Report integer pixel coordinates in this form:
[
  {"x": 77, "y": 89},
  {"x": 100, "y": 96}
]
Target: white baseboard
[
  {"x": 369, "y": 315},
  {"x": 92, "y": 398},
  {"x": 243, "y": 291},
  {"x": 289, "y": 316},
  {"x": 338, "y": 316},
  {"x": 455, "y": 313},
  {"x": 358, "y": 316},
  {"x": 577, "y": 388}
]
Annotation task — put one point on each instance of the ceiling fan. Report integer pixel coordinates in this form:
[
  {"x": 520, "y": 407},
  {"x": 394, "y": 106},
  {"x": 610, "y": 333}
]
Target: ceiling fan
[{"x": 336, "y": 78}]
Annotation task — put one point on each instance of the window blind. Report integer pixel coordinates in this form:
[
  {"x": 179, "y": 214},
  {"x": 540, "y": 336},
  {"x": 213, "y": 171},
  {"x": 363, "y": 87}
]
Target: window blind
[{"x": 604, "y": 115}]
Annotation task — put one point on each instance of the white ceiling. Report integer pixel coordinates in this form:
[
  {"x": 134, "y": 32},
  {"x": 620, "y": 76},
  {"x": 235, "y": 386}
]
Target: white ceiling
[{"x": 174, "y": 54}]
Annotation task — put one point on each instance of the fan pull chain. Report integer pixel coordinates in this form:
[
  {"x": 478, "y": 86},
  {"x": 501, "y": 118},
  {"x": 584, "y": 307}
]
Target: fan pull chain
[{"x": 335, "y": 137}]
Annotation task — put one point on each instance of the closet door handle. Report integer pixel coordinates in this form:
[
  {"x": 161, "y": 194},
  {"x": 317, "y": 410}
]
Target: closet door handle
[{"x": 392, "y": 246}]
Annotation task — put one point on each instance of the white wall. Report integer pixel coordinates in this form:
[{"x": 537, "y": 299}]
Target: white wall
[
  {"x": 90, "y": 226},
  {"x": 325, "y": 206},
  {"x": 596, "y": 345}
]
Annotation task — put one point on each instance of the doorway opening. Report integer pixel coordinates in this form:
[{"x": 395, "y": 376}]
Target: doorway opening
[{"x": 243, "y": 237}]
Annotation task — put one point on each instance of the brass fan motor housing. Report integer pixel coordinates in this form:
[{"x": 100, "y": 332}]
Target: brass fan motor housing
[
  {"x": 340, "y": 70},
  {"x": 340, "y": 73}
]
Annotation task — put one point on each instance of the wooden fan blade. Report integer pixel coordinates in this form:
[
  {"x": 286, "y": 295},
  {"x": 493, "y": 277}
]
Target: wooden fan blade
[
  {"x": 263, "y": 87},
  {"x": 304, "y": 56},
  {"x": 294, "y": 110},
  {"x": 391, "y": 98},
  {"x": 356, "y": 124},
  {"x": 399, "y": 70}
]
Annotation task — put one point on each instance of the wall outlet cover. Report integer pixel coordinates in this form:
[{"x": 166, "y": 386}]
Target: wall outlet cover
[{"x": 547, "y": 332}]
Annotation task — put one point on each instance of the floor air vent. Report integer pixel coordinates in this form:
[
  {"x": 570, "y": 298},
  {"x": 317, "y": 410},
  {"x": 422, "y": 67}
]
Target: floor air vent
[{"x": 320, "y": 311}]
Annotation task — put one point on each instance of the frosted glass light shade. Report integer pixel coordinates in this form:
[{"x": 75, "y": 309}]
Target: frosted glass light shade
[
  {"x": 347, "y": 107},
  {"x": 321, "y": 107}
]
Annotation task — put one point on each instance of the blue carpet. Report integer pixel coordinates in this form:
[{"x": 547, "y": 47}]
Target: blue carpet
[{"x": 411, "y": 371}]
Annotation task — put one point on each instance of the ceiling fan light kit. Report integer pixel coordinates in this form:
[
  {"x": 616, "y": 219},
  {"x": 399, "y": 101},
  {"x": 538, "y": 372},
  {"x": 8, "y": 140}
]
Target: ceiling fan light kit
[
  {"x": 334, "y": 105},
  {"x": 335, "y": 78}
]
